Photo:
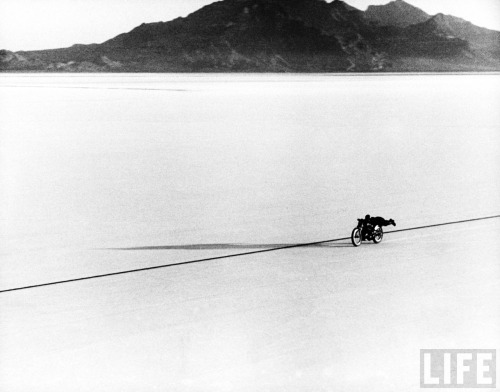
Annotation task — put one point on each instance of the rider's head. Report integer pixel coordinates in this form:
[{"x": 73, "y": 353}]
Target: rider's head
[{"x": 367, "y": 217}]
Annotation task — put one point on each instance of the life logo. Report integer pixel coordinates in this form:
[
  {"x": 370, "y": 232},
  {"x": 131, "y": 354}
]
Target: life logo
[{"x": 457, "y": 368}]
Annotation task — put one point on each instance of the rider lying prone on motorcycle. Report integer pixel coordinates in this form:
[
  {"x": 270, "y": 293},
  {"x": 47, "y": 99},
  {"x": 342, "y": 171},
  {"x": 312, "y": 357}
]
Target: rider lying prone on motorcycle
[{"x": 370, "y": 222}]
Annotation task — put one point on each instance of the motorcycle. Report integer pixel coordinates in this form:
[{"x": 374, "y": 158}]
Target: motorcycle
[{"x": 364, "y": 232}]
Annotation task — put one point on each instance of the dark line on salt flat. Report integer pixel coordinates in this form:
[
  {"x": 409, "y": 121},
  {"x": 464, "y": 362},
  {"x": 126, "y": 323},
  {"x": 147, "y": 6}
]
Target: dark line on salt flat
[
  {"x": 443, "y": 224},
  {"x": 233, "y": 255}
]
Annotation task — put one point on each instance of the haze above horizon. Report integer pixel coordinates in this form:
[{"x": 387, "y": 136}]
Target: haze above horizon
[{"x": 48, "y": 24}]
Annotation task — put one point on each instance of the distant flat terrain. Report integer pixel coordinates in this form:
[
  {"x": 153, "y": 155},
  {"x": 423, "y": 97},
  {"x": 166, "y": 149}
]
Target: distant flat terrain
[{"x": 101, "y": 174}]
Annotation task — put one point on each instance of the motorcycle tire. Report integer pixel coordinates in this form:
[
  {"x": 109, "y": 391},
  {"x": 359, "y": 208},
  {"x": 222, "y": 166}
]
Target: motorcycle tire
[
  {"x": 356, "y": 237},
  {"x": 378, "y": 235}
]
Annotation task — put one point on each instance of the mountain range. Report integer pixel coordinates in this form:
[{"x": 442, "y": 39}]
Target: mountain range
[{"x": 282, "y": 36}]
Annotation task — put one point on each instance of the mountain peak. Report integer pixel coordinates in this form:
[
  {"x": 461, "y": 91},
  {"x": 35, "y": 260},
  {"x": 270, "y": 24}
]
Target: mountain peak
[
  {"x": 396, "y": 13},
  {"x": 478, "y": 37},
  {"x": 437, "y": 25},
  {"x": 343, "y": 4}
]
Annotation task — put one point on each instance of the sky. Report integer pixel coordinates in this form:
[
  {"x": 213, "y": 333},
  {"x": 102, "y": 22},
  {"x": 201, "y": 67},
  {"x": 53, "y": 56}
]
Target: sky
[{"x": 47, "y": 24}]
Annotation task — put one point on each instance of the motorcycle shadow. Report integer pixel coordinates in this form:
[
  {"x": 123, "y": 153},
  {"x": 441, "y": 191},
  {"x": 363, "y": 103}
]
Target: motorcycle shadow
[{"x": 223, "y": 246}]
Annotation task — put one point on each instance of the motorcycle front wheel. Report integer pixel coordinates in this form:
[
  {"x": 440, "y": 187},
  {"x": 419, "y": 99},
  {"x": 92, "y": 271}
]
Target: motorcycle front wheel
[{"x": 356, "y": 237}]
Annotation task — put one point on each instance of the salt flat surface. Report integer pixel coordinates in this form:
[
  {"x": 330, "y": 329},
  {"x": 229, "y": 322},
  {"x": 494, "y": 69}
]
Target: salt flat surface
[{"x": 106, "y": 173}]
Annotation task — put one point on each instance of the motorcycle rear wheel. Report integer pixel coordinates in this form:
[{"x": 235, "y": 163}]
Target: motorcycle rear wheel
[{"x": 378, "y": 235}]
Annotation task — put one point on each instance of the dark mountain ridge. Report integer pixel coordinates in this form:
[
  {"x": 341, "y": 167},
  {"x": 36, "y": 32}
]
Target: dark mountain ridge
[
  {"x": 282, "y": 36},
  {"x": 396, "y": 13}
]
